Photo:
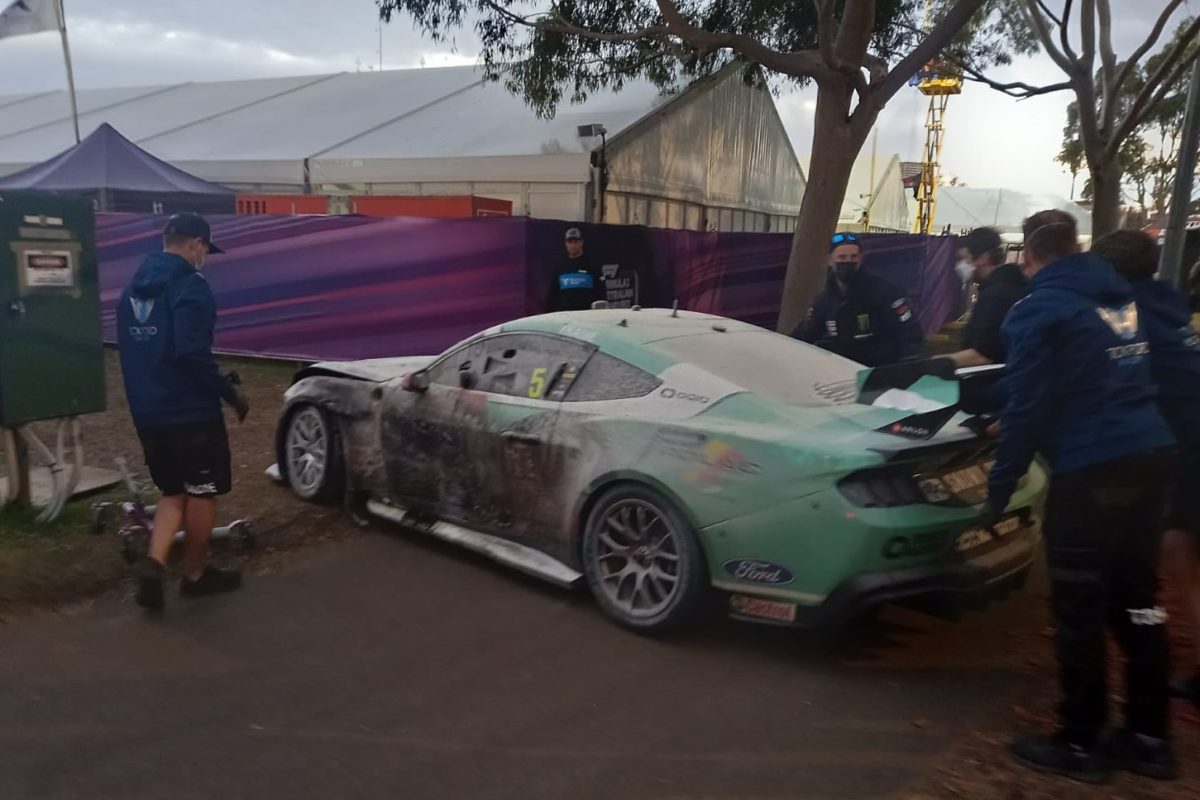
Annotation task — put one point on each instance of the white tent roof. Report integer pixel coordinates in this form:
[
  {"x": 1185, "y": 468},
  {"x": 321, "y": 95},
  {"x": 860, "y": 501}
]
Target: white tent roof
[
  {"x": 965, "y": 207},
  {"x": 887, "y": 196},
  {"x": 394, "y": 125}
]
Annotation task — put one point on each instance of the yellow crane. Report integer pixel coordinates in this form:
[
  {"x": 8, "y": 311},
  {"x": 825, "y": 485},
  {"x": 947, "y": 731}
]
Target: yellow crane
[{"x": 938, "y": 82}]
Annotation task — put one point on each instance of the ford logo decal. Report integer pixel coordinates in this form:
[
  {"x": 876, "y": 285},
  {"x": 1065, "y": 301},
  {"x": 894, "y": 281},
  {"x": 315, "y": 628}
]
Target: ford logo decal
[{"x": 755, "y": 571}]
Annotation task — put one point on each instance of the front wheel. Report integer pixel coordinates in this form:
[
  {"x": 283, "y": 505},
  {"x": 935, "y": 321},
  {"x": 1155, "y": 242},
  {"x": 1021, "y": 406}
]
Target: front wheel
[
  {"x": 313, "y": 455},
  {"x": 642, "y": 561}
]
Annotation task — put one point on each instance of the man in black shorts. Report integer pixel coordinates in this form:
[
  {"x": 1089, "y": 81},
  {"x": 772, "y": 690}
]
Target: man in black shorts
[{"x": 165, "y": 322}]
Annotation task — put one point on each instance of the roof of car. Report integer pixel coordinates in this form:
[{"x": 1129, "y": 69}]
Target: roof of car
[{"x": 628, "y": 326}]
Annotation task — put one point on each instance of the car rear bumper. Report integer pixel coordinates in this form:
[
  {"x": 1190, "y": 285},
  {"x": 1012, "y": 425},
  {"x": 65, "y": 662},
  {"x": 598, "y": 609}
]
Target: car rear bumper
[{"x": 946, "y": 588}]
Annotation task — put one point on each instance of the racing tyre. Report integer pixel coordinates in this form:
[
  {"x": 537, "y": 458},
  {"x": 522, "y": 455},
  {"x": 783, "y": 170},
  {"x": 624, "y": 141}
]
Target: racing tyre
[
  {"x": 312, "y": 455},
  {"x": 643, "y": 562}
]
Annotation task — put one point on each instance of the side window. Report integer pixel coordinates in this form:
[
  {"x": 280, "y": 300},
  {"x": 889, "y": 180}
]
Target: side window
[
  {"x": 446, "y": 372},
  {"x": 608, "y": 378},
  {"x": 534, "y": 366}
]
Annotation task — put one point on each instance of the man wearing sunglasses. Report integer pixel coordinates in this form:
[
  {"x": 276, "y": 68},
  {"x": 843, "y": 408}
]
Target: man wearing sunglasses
[{"x": 858, "y": 315}]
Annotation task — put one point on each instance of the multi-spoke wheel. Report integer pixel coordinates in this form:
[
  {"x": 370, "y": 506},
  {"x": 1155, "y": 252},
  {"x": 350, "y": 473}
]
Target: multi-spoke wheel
[
  {"x": 313, "y": 457},
  {"x": 642, "y": 560}
]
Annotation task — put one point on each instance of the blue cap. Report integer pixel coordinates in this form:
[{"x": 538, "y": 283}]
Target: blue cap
[{"x": 191, "y": 225}]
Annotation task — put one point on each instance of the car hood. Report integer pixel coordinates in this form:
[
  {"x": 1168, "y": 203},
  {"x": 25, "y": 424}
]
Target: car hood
[{"x": 377, "y": 370}]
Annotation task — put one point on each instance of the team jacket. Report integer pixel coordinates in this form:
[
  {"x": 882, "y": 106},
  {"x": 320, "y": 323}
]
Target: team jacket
[
  {"x": 1078, "y": 387},
  {"x": 1174, "y": 356},
  {"x": 165, "y": 322},
  {"x": 870, "y": 323}
]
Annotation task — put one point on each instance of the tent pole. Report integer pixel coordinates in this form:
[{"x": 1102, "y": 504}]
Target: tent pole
[{"x": 62, "y": 29}]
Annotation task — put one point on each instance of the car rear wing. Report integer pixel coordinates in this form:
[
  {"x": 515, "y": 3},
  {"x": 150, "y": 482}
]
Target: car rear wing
[{"x": 933, "y": 391}]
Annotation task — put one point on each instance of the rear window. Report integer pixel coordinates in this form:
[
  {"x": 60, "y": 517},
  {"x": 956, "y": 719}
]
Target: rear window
[{"x": 776, "y": 367}]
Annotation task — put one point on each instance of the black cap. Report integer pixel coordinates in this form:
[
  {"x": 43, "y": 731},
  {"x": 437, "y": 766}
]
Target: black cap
[
  {"x": 191, "y": 225},
  {"x": 982, "y": 240}
]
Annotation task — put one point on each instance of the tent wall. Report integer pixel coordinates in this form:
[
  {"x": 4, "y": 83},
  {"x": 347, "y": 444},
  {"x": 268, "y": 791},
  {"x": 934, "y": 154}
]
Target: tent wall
[{"x": 715, "y": 158}]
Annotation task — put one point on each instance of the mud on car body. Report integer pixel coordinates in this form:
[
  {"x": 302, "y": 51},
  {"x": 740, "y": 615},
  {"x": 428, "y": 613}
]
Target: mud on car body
[{"x": 663, "y": 457}]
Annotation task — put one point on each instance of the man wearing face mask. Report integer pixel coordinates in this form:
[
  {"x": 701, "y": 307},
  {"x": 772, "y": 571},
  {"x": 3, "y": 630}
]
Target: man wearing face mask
[
  {"x": 859, "y": 316},
  {"x": 1001, "y": 285},
  {"x": 165, "y": 323}
]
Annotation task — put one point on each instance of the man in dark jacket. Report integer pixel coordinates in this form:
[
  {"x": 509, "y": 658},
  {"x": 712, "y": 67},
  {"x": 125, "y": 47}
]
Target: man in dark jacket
[
  {"x": 1175, "y": 367},
  {"x": 577, "y": 281},
  {"x": 165, "y": 322},
  {"x": 1000, "y": 286},
  {"x": 1079, "y": 392},
  {"x": 858, "y": 315}
]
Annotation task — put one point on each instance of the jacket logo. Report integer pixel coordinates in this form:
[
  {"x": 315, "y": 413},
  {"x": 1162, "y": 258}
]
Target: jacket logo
[
  {"x": 1123, "y": 321},
  {"x": 142, "y": 309}
]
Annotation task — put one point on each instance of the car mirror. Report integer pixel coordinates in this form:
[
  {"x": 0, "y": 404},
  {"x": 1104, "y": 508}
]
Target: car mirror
[{"x": 415, "y": 382}]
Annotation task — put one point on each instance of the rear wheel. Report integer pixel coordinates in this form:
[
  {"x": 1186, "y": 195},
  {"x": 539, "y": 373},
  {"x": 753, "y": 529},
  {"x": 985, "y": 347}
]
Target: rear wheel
[
  {"x": 642, "y": 560},
  {"x": 313, "y": 455}
]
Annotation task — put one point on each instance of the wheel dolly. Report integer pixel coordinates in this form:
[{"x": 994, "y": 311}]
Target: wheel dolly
[{"x": 137, "y": 522}]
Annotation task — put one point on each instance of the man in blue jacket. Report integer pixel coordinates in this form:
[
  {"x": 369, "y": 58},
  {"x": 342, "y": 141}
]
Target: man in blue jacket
[
  {"x": 1079, "y": 392},
  {"x": 1175, "y": 364},
  {"x": 165, "y": 322}
]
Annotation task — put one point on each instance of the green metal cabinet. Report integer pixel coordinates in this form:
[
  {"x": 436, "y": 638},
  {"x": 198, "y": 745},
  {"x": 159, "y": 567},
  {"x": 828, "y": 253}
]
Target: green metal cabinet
[{"x": 51, "y": 355}]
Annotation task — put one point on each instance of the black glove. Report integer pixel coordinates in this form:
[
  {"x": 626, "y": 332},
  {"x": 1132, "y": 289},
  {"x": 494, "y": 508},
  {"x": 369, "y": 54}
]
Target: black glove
[
  {"x": 240, "y": 403},
  {"x": 990, "y": 516}
]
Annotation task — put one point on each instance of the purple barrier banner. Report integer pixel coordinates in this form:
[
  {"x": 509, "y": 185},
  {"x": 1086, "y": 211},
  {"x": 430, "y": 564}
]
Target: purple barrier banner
[
  {"x": 740, "y": 275},
  {"x": 346, "y": 287},
  {"x": 314, "y": 287}
]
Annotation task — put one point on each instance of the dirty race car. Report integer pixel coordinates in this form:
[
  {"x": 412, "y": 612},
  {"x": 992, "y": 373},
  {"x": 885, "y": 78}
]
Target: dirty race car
[{"x": 662, "y": 457}]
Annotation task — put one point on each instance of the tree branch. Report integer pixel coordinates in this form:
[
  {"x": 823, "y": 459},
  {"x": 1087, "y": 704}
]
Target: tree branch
[
  {"x": 1108, "y": 64},
  {"x": 801, "y": 63},
  {"x": 1157, "y": 85},
  {"x": 1046, "y": 10},
  {"x": 933, "y": 43},
  {"x": 1033, "y": 13},
  {"x": 1087, "y": 35},
  {"x": 1017, "y": 89},
  {"x": 1136, "y": 57},
  {"x": 1064, "y": 31}
]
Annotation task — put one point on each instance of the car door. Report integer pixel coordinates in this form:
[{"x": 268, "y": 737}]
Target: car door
[
  {"x": 425, "y": 435},
  {"x": 517, "y": 459}
]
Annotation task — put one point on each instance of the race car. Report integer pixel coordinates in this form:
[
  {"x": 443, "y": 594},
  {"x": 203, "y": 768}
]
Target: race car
[{"x": 666, "y": 458}]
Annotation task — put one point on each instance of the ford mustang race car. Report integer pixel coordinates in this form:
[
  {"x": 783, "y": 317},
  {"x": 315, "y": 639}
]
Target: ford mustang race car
[{"x": 664, "y": 458}]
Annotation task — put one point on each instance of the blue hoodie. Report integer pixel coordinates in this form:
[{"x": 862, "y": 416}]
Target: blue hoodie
[
  {"x": 165, "y": 322},
  {"x": 1078, "y": 383},
  {"x": 1174, "y": 356}
]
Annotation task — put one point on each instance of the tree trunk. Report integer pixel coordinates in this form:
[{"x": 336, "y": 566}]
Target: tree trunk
[
  {"x": 836, "y": 143},
  {"x": 1106, "y": 198}
]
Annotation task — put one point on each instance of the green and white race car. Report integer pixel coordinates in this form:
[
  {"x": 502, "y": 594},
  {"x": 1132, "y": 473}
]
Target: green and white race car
[{"x": 663, "y": 456}]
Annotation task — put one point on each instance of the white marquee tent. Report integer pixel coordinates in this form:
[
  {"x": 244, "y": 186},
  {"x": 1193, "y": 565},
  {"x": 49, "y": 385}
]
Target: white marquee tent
[{"x": 716, "y": 156}]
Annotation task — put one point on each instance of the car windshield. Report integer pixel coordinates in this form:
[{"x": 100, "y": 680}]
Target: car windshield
[{"x": 776, "y": 367}]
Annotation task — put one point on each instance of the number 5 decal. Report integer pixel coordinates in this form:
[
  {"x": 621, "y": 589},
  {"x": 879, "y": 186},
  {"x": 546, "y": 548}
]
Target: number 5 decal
[{"x": 537, "y": 383}]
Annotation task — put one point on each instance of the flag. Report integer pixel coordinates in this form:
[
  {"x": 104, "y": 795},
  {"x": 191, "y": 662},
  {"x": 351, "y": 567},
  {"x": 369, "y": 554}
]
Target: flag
[{"x": 29, "y": 16}]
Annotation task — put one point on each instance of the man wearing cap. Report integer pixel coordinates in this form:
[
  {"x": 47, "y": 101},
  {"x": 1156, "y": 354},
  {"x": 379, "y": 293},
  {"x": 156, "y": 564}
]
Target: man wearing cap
[
  {"x": 165, "y": 322},
  {"x": 577, "y": 283},
  {"x": 1001, "y": 285},
  {"x": 858, "y": 315}
]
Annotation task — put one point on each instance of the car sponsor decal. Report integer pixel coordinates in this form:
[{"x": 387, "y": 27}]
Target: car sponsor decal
[
  {"x": 674, "y": 394},
  {"x": 755, "y": 571},
  {"x": 762, "y": 609},
  {"x": 978, "y": 537}
]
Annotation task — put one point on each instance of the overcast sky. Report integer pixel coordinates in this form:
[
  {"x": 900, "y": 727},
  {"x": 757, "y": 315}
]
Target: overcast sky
[{"x": 991, "y": 140}]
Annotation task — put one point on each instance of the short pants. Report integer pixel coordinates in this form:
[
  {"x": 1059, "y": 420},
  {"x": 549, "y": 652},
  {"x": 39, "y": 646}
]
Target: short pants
[{"x": 191, "y": 459}]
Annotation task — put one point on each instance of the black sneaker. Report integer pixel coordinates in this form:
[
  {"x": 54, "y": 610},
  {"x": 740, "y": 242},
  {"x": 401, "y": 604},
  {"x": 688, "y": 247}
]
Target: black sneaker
[
  {"x": 211, "y": 581},
  {"x": 149, "y": 574},
  {"x": 1150, "y": 758},
  {"x": 1057, "y": 756},
  {"x": 1187, "y": 688}
]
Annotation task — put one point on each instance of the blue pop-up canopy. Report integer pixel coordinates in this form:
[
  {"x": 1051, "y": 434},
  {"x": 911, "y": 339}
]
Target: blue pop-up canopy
[{"x": 120, "y": 176}]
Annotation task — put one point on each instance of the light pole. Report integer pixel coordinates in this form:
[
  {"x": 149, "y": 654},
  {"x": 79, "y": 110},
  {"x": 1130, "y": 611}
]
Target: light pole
[
  {"x": 1171, "y": 267},
  {"x": 599, "y": 167}
]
